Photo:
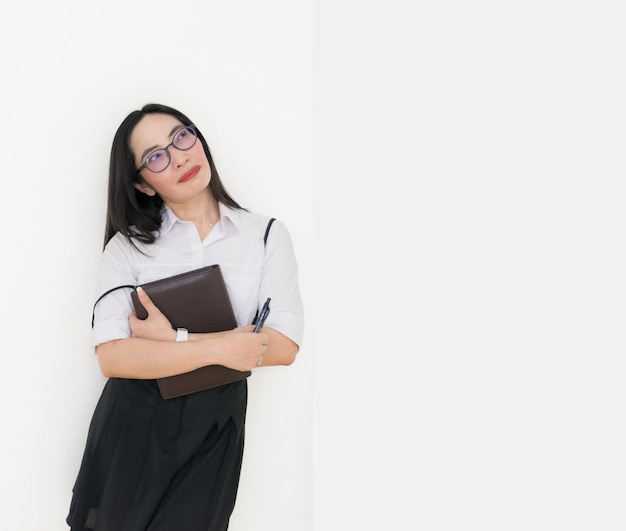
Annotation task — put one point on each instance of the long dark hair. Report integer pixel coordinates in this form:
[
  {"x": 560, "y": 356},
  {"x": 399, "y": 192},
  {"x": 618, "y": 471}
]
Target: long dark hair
[{"x": 129, "y": 211}]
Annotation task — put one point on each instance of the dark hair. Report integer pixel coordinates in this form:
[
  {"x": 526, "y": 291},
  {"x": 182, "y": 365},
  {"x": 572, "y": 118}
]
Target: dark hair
[{"x": 129, "y": 211}]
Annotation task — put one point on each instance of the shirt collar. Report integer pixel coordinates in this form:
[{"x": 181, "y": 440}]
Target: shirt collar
[
  {"x": 168, "y": 218},
  {"x": 230, "y": 216}
]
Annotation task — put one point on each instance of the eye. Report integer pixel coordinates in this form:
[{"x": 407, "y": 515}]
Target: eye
[
  {"x": 180, "y": 136},
  {"x": 155, "y": 156}
]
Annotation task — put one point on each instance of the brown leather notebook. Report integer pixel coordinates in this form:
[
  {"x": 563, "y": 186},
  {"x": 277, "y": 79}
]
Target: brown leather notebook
[{"x": 198, "y": 301}]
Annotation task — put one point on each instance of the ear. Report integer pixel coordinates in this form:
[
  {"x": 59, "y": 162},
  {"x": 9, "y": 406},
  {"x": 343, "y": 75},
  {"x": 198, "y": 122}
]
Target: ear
[{"x": 145, "y": 188}]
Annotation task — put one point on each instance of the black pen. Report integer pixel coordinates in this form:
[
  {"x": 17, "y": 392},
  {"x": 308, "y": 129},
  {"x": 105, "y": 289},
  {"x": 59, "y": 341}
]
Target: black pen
[{"x": 264, "y": 313}]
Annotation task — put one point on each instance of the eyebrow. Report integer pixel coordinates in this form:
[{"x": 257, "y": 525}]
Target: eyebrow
[{"x": 176, "y": 128}]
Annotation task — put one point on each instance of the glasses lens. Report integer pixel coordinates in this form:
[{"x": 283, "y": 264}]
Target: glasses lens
[
  {"x": 158, "y": 160},
  {"x": 185, "y": 138}
]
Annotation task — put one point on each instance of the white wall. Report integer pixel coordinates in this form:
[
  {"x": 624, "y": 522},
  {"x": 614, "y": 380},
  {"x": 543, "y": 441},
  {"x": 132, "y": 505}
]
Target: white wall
[
  {"x": 71, "y": 71},
  {"x": 478, "y": 275},
  {"x": 468, "y": 155}
]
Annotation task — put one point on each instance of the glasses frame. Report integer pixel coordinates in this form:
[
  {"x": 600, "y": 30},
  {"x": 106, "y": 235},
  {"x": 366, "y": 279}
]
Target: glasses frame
[{"x": 167, "y": 151}]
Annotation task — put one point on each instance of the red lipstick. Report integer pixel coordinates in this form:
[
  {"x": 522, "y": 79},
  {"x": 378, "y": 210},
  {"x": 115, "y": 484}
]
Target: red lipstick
[{"x": 190, "y": 174}]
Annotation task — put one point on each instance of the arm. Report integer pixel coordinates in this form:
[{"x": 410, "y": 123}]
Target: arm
[
  {"x": 152, "y": 352},
  {"x": 279, "y": 350},
  {"x": 142, "y": 358}
]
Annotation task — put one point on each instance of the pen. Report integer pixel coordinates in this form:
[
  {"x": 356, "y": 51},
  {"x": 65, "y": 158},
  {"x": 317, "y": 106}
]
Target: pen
[{"x": 263, "y": 315}]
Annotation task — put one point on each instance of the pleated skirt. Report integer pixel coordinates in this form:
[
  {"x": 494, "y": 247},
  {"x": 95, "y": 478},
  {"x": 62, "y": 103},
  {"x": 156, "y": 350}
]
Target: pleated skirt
[{"x": 160, "y": 465}]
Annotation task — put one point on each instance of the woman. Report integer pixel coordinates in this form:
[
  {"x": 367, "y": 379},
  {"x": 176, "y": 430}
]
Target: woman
[{"x": 154, "y": 464}]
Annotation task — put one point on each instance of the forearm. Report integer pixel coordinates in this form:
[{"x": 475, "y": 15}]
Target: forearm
[
  {"x": 199, "y": 337},
  {"x": 280, "y": 349},
  {"x": 147, "y": 358}
]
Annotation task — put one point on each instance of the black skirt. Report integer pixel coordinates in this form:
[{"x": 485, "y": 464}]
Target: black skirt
[{"x": 160, "y": 465}]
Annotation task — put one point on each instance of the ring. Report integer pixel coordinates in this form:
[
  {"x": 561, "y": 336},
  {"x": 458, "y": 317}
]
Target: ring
[{"x": 260, "y": 360}]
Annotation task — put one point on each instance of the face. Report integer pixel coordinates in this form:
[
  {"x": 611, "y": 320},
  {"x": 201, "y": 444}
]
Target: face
[{"x": 188, "y": 172}]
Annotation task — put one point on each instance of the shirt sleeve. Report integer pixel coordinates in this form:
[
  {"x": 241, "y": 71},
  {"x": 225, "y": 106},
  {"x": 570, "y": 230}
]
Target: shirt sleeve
[
  {"x": 280, "y": 282},
  {"x": 112, "y": 311}
]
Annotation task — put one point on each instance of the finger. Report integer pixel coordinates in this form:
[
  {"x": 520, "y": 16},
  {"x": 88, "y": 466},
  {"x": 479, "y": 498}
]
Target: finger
[{"x": 145, "y": 300}]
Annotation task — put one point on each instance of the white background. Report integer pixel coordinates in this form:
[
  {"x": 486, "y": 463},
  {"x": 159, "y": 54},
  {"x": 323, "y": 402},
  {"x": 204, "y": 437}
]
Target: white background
[
  {"x": 71, "y": 72},
  {"x": 462, "y": 264},
  {"x": 475, "y": 152}
]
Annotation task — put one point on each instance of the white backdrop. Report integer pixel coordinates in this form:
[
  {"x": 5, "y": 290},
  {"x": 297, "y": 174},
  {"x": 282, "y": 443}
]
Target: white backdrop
[
  {"x": 462, "y": 267},
  {"x": 475, "y": 151},
  {"x": 71, "y": 71}
]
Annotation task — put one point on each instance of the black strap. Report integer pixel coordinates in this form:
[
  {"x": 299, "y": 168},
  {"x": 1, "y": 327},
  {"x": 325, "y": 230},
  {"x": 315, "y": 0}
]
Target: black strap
[
  {"x": 267, "y": 230},
  {"x": 93, "y": 311}
]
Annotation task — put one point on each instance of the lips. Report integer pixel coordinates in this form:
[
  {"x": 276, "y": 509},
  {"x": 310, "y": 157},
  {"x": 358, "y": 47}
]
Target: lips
[{"x": 190, "y": 174}]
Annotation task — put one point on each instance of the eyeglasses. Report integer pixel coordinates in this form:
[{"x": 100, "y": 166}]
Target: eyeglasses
[{"x": 157, "y": 161}]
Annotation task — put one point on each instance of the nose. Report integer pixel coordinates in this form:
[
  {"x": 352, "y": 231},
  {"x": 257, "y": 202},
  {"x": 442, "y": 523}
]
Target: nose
[{"x": 178, "y": 157}]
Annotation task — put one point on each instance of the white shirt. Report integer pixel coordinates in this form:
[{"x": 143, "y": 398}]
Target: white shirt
[{"x": 252, "y": 272}]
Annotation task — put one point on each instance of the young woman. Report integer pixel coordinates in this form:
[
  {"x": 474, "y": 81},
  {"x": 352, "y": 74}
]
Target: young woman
[{"x": 155, "y": 464}]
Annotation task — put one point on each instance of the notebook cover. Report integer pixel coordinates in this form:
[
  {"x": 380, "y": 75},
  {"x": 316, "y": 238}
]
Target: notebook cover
[{"x": 198, "y": 301}]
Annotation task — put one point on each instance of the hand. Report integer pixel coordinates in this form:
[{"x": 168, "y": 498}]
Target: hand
[
  {"x": 155, "y": 326},
  {"x": 244, "y": 349}
]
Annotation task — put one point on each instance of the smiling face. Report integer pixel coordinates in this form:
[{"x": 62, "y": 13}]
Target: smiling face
[{"x": 188, "y": 173}]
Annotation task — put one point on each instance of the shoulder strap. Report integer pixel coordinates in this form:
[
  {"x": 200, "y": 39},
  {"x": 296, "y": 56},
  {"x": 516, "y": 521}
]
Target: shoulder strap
[
  {"x": 93, "y": 311},
  {"x": 267, "y": 230}
]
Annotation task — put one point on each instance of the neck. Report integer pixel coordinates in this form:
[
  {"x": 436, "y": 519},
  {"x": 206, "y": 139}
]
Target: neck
[{"x": 202, "y": 210}]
